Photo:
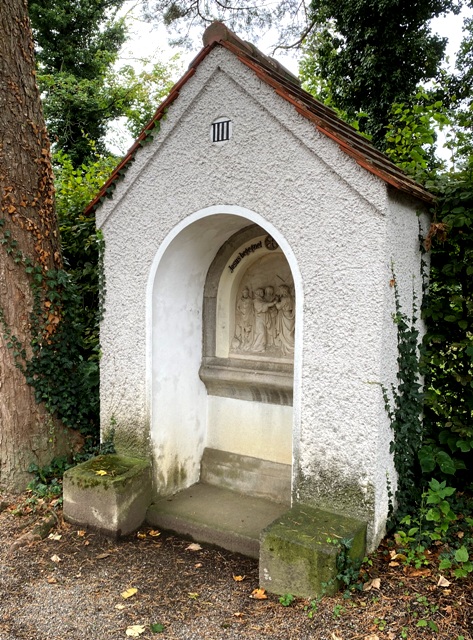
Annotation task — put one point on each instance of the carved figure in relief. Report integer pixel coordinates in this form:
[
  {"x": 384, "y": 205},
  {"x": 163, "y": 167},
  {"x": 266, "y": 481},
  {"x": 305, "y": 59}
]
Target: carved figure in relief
[
  {"x": 285, "y": 321},
  {"x": 244, "y": 321},
  {"x": 261, "y": 307},
  {"x": 271, "y": 316}
]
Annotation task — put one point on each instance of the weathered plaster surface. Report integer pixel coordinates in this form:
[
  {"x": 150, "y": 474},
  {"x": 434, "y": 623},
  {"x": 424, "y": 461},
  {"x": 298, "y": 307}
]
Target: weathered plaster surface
[
  {"x": 232, "y": 426},
  {"x": 338, "y": 224}
]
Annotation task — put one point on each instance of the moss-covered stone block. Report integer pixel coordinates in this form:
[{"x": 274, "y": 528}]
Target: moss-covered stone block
[
  {"x": 110, "y": 493},
  {"x": 298, "y": 551}
]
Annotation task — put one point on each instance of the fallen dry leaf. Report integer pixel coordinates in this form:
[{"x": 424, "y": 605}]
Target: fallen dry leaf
[
  {"x": 198, "y": 565},
  {"x": 135, "y": 630},
  {"x": 129, "y": 593},
  {"x": 239, "y": 578},
  {"x": 51, "y": 580},
  {"x": 119, "y": 606},
  {"x": 372, "y": 636},
  {"x": 375, "y": 583},
  {"x": 154, "y": 533},
  {"x": 81, "y": 533},
  {"x": 335, "y": 637},
  {"x": 141, "y": 535},
  {"x": 258, "y": 594},
  {"x": 193, "y": 595},
  {"x": 101, "y": 472},
  {"x": 55, "y": 558},
  {"x": 443, "y": 582},
  {"x": 54, "y": 536},
  {"x": 238, "y": 614},
  {"x": 394, "y": 564},
  {"x": 416, "y": 573},
  {"x": 101, "y": 556},
  {"x": 194, "y": 546}
]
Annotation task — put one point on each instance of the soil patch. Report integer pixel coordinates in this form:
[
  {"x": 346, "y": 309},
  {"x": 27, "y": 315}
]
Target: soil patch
[{"x": 69, "y": 586}]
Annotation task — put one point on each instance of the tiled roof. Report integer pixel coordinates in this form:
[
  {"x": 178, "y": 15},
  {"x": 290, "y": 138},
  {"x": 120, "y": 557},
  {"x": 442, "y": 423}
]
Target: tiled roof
[{"x": 288, "y": 87}]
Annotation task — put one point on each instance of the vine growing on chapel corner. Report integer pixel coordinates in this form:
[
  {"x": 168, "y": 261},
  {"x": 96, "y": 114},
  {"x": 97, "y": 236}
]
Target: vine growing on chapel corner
[{"x": 404, "y": 409}]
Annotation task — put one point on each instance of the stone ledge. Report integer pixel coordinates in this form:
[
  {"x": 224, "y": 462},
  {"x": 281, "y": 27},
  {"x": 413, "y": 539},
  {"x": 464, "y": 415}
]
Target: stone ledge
[
  {"x": 114, "y": 502},
  {"x": 257, "y": 381},
  {"x": 296, "y": 557}
]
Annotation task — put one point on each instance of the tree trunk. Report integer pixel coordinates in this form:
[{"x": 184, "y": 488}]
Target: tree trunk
[{"x": 28, "y": 229}]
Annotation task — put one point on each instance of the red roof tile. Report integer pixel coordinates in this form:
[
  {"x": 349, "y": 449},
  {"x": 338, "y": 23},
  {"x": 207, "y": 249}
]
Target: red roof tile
[{"x": 288, "y": 87}]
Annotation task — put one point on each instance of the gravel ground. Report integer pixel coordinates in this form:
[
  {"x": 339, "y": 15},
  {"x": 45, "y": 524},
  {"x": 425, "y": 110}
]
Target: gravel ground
[{"x": 68, "y": 587}]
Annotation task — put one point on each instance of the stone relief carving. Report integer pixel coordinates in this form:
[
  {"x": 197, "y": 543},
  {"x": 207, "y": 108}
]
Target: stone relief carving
[{"x": 265, "y": 321}]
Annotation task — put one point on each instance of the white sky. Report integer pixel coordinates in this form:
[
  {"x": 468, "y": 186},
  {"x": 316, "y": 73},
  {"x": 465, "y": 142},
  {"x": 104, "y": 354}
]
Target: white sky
[{"x": 148, "y": 42}]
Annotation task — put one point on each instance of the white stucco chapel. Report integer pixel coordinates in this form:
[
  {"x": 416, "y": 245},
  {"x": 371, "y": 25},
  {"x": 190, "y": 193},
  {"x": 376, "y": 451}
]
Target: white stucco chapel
[{"x": 251, "y": 243}]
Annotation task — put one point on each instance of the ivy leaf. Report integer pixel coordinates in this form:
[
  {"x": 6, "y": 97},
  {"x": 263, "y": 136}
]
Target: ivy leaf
[{"x": 461, "y": 554}]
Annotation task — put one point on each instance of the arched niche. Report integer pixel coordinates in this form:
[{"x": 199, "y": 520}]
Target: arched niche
[
  {"x": 186, "y": 418},
  {"x": 249, "y": 320}
]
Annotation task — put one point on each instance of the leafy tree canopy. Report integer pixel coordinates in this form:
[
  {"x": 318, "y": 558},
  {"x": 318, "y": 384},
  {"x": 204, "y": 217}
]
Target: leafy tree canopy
[
  {"x": 78, "y": 42},
  {"x": 80, "y": 37},
  {"x": 364, "y": 56}
]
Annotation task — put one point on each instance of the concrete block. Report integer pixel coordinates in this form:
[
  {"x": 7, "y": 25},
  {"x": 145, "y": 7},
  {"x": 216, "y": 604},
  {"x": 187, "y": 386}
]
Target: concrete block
[
  {"x": 298, "y": 554},
  {"x": 114, "y": 502}
]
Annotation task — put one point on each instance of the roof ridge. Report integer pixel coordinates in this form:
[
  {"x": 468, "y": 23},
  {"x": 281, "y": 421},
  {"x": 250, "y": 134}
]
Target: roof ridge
[
  {"x": 220, "y": 33},
  {"x": 288, "y": 86}
]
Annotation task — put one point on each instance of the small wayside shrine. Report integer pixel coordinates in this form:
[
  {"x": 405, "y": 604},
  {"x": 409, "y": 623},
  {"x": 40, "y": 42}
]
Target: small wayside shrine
[{"x": 250, "y": 249}]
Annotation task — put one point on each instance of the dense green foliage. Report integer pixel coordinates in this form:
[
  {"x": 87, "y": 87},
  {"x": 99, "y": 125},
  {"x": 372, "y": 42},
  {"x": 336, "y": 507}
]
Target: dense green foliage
[
  {"x": 364, "y": 56},
  {"x": 447, "y": 353},
  {"x": 80, "y": 241},
  {"x": 448, "y": 311},
  {"x": 77, "y": 42}
]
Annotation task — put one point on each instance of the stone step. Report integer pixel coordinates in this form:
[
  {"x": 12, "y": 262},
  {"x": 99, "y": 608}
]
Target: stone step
[{"x": 217, "y": 516}]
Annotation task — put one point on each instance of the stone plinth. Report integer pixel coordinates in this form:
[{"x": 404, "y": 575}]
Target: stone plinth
[
  {"x": 110, "y": 493},
  {"x": 298, "y": 552}
]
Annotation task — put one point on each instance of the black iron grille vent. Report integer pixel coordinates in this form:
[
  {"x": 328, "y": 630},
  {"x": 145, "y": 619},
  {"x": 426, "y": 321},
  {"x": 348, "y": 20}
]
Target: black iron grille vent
[{"x": 221, "y": 131}]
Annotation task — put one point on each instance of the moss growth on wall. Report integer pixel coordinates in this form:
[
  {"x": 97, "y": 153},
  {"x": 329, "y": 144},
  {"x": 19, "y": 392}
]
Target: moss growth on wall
[{"x": 334, "y": 491}]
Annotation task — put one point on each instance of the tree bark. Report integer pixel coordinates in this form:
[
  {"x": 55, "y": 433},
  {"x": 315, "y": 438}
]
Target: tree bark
[{"x": 28, "y": 225}]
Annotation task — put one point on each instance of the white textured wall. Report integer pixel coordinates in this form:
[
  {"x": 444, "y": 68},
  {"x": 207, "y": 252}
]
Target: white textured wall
[{"x": 340, "y": 225}]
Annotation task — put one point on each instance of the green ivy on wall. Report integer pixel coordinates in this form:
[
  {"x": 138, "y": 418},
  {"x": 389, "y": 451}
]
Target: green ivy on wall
[{"x": 404, "y": 409}]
